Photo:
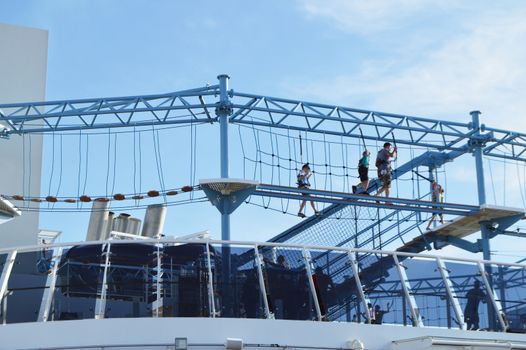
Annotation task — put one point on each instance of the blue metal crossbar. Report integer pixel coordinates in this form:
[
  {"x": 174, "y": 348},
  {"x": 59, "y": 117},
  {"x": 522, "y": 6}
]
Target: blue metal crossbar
[
  {"x": 182, "y": 107},
  {"x": 344, "y": 121},
  {"x": 189, "y": 106}
]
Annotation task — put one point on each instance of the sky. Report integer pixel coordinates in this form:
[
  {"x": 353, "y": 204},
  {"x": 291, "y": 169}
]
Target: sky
[{"x": 418, "y": 57}]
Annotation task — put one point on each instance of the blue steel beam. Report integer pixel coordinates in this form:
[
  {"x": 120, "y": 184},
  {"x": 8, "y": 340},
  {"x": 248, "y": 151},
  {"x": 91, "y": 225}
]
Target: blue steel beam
[
  {"x": 376, "y": 126},
  {"x": 343, "y": 121},
  {"x": 507, "y": 145},
  {"x": 183, "y": 107},
  {"x": 188, "y": 106}
]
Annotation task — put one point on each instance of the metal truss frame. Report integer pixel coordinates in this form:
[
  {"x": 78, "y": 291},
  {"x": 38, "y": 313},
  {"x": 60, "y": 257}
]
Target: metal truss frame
[
  {"x": 182, "y": 107},
  {"x": 189, "y": 106}
]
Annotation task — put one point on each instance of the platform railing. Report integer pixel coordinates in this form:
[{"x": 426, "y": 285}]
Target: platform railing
[{"x": 170, "y": 278}]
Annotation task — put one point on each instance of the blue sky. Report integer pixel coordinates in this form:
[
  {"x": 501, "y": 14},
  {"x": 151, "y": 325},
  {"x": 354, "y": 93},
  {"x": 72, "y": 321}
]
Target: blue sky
[{"x": 439, "y": 59}]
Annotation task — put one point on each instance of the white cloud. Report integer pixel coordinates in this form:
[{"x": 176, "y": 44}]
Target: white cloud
[
  {"x": 480, "y": 68},
  {"x": 367, "y": 17}
]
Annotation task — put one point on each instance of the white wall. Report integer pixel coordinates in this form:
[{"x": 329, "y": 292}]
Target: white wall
[
  {"x": 23, "y": 67},
  {"x": 122, "y": 333}
]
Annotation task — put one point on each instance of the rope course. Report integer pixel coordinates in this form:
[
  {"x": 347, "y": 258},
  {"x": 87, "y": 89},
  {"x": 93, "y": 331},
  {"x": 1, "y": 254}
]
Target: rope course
[{"x": 125, "y": 145}]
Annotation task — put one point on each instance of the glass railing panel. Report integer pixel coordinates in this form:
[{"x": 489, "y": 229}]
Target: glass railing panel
[
  {"x": 131, "y": 279},
  {"x": 3, "y": 258},
  {"x": 237, "y": 291},
  {"x": 287, "y": 284},
  {"x": 184, "y": 281},
  {"x": 509, "y": 286},
  {"x": 79, "y": 282},
  {"x": 335, "y": 286},
  {"x": 429, "y": 292},
  {"x": 469, "y": 287},
  {"x": 26, "y": 286},
  {"x": 383, "y": 289}
]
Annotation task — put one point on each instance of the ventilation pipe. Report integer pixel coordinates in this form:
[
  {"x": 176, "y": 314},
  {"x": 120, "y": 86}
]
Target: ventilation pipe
[
  {"x": 154, "y": 220},
  {"x": 109, "y": 226},
  {"x": 120, "y": 223},
  {"x": 134, "y": 226},
  {"x": 98, "y": 221}
]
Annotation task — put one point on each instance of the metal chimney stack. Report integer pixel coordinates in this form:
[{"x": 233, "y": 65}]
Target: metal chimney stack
[
  {"x": 98, "y": 221},
  {"x": 120, "y": 223},
  {"x": 109, "y": 226},
  {"x": 154, "y": 220}
]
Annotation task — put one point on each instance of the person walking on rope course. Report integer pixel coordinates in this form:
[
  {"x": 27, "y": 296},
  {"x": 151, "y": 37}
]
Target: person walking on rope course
[
  {"x": 363, "y": 170},
  {"x": 303, "y": 183},
  {"x": 438, "y": 197},
  {"x": 383, "y": 163}
]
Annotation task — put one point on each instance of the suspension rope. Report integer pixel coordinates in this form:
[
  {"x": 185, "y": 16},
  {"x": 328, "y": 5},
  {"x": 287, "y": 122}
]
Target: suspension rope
[
  {"x": 520, "y": 186},
  {"x": 134, "y": 162},
  {"x": 114, "y": 163},
  {"x": 52, "y": 162},
  {"x": 492, "y": 180},
  {"x": 79, "y": 176},
  {"x": 108, "y": 163},
  {"x": 60, "y": 168},
  {"x": 86, "y": 166}
]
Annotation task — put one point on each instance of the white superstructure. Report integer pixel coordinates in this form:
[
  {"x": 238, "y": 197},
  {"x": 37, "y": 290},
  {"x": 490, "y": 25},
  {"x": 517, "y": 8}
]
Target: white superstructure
[{"x": 23, "y": 68}]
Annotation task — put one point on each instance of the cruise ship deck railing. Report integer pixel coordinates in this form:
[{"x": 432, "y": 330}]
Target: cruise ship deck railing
[{"x": 205, "y": 278}]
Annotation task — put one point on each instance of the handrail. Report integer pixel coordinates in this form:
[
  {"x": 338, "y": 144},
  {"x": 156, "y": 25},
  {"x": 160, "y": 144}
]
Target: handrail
[
  {"x": 376, "y": 279},
  {"x": 30, "y": 248}
]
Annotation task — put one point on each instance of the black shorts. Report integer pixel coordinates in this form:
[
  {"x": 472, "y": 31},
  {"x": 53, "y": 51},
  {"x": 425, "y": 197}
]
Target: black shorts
[
  {"x": 364, "y": 173},
  {"x": 435, "y": 214},
  {"x": 304, "y": 187}
]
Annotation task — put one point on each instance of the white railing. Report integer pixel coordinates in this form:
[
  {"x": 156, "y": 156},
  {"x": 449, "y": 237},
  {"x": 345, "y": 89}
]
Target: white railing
[{"x": 172, "y": 278}]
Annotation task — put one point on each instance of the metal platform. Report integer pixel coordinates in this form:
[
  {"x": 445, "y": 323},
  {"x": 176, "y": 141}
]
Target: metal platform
[
  {"x": 461, "y": 227},
  {"x": 332, "y": 197},
  {"x": 464, "y": 226}
]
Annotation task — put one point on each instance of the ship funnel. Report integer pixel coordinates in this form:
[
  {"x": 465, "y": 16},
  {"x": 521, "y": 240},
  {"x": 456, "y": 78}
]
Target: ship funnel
[
  {"x": 120, "y": 223},
  {"x": 98, "y": 221},
  {"x": 154, "y": 220},
  {"x": 109, "y": 226}
]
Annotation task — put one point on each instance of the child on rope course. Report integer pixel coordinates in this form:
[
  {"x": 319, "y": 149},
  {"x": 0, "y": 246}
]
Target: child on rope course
[
  {"x": 436, "y": 196},
  {"x": 383, "y": 163},
  {"x": 303, "y": 183},
  {"x": 363, "y": 170}
]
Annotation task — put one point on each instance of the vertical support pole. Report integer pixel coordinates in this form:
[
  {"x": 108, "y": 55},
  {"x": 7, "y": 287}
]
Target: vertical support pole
[
  {"x": 451, "y": 294},
  {"x": 361, "y": 294},
  {"x": 307, "y": 260},
  {"x": 158, "y": 283},
  {"x": 477, "y": 153},
  {"x": 262, "y": 287},
  {"x": 493, "y": 304},
  {"x": 4, "y": 279},
  {"x": 211, "y": 295},
  {"x": 485, "y": 234},
  {"x": 100, "y": 304},
  {"x": 479, "y": 165},
  {"x": 51, "y": 282},
  {"x": 223, "y": 110},
  {"x": 406, "y": 287}
]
